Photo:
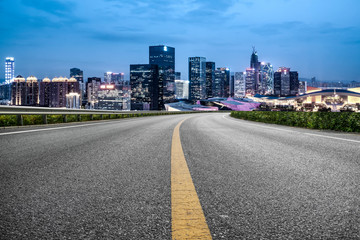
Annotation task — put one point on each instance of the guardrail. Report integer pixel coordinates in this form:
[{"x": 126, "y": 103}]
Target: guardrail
[{"x": 44, "y": 114}]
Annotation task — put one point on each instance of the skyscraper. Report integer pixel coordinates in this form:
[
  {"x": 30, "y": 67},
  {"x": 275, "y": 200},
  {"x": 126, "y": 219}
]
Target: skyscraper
[
  {"x": 9, "y": 70},
  {"x": 266, "y": 79},
  {"x": 145, "y": 86},
  {"x": 286, "y": 82},
  {"x": 221, "y": 85},
  {"x": 197, "y": 78},
  {"x": 114, "y": 78},
  {"x": 239, "y": 84},
  {"x": 210, "y": 78},
  {"x": 250, "y": 82},
  {"x": 255, "y": 64},
  {"x": 77, "y": 74},
  {"x": 164, "y": 57}
]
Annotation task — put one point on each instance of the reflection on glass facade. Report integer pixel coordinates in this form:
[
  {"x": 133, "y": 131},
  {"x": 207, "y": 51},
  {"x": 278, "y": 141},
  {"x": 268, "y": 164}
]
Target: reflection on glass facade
[
  {"x": 144, "y": 82},
  {"x": 239, "y": 84},
  {"x": 286, "y": 83},
  {"x": 250, "y": 81},
  {"x": 266, "y": 79},
  {"x": 9, "y": 70},
  {"x": 210, "y": 78},
  {"x": 164, "y": 57},
  {"x": 221, "y": 85},
  {"x": 197, "y": 78}
]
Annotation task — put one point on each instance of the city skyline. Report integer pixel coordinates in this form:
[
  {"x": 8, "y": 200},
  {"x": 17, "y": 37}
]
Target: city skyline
[{"x": 54, "y": 39}]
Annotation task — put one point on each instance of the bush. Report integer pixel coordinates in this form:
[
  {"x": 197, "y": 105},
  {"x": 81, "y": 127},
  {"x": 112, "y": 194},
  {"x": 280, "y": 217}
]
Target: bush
[{"x": 338, "y": 121}]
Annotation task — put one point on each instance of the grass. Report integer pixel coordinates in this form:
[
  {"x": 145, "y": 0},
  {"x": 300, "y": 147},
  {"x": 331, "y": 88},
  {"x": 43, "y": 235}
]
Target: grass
[{"x": 338, "y": 121}]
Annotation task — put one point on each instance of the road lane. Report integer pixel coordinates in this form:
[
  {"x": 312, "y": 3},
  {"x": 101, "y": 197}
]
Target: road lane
[
  {"x": 108, "y": 181},
  {"x": 262, "y": 183},
  {"x": 112, "y": 180}
]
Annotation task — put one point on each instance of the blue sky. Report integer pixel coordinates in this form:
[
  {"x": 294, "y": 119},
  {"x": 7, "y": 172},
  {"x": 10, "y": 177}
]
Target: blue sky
[{"x": 48, "y": 37}]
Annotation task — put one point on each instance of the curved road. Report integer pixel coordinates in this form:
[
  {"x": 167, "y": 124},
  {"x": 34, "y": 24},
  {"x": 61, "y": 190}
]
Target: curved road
[{"x": 112, "y": 179}]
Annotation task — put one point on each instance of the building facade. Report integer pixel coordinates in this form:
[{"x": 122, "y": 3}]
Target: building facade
[
  {"x": 286, "y": 82},
  {"x": 210, "y": 78},
  {"x": 145, "y": 87},
  {"x": 197, "y": 78},
  {"x": 239, "y": 84},
  {"x": 9, "y": 70},
  {"x": 164, "y": 57},
  {"x": 266, "y": 79}
]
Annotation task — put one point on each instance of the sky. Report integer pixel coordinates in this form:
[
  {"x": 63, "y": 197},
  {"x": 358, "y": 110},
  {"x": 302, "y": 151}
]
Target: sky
[{"x": 317, "y": 38}]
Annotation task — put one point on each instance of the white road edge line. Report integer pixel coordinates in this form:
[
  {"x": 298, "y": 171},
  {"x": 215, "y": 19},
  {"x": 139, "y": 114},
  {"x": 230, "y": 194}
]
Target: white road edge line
[
  {"x": 285, "y": 130},
  {"x": 56, "y": 128}
]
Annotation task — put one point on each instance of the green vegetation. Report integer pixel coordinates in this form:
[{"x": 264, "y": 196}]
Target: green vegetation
[
  {"x": 338, "y": 121},
  {"x": 16, "y": 120}
]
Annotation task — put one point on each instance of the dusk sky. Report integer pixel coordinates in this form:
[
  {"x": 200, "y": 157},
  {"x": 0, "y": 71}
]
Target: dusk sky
[{"x": 48, "y": 37}]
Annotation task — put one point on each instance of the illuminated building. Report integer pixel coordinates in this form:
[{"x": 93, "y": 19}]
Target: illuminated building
[
  {"x": 316, "y": 99},
  {"x": 145, "y": 87},
  {"x": 18, "y": 91},
  {"x": 221, "y": 84},
  {"x": 73, "y": 100},
  {"x": 266, "y": 79},
  {"x": 239, "y": 84},
  {"x": 182, "y": 89},
  {"x": 9, "y": 70},
  {"x": 113, "y": 97},
  {"x": 197, "y": 78},
  {"x": 255, "y": 64},
  {"x": 210, "y": 78},
  {"x": 60, "y": 87},
  {"x": 286, "y": 82},
  {"x": 250, "y": 82},
  {"x": 164, "y": 57},
  {"x": 114, "y": 78},
  {"x": 302, "y": 87},
  {"x": 45, "y": 92},
  {"x": 92, "y": 87},
  {"x": 25, "y": 93},
  {"x": 79, "y": 76}
]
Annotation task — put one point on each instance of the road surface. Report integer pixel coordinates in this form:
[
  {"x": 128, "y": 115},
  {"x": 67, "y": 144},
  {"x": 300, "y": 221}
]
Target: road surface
[{"x": 113, "y": 179}]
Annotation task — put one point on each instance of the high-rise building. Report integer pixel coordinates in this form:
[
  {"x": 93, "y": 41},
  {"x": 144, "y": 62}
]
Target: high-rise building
[
  {"x": 286, "y": 83},
  {"x": 232, "y": 84},
  {"x": 182, "y": 89},
  {"x": 239, "y": 84},
  {"x": 145, "y": 86},
  {"x": 77, "y": 74},
  {"x": 164, "y": 57},
  {"x": 221, "y": 85},
  {"x": 255, "y": 64},
  {"x": 45, "y": 92},
  {"x": 60, "y": 88},
  {"x": 197, "y": 78},
  {"x": 210, "y": 78},
  {"x": 302, "y": 87},
  {"x": 113, "y": 97},
  {"x": 25, "y": 93},
  {"x": 114, "y": 78},
  {"x": 92, "y": 87},
  {"x": 177, "y": 75},
  {"x": 18, "y": 91},
  {"x": 250, "y": 81},
  {"x": 9, "y": 70},
  {"x": 266, "y": 79}
]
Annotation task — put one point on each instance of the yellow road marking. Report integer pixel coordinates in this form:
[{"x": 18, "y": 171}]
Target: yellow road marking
[{"x": 188, "y": 220}]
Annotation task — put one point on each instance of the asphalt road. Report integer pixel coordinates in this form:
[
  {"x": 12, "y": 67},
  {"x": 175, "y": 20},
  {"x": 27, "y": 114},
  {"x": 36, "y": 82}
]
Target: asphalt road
[{"x": 111, "y": 180}]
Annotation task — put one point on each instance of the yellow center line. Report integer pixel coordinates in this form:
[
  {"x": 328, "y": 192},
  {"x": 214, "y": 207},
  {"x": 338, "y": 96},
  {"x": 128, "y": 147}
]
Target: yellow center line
[{"x": 188, "y": 220}]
